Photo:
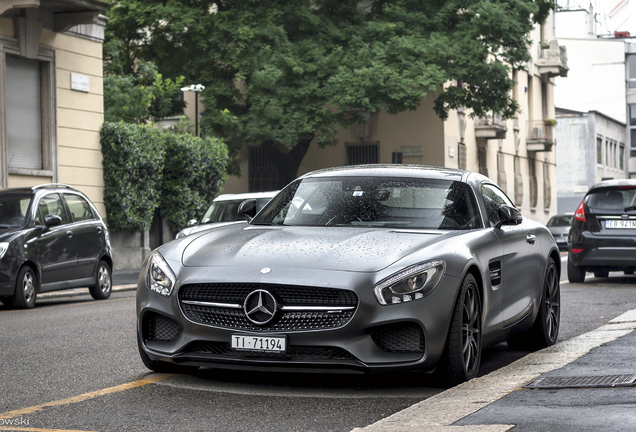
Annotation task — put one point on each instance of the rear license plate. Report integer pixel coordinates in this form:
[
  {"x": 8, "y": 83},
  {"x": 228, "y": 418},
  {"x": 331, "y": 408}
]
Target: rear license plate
[
  {"x": 625, "y": 224},
  {"x": 258, "y": 343}
]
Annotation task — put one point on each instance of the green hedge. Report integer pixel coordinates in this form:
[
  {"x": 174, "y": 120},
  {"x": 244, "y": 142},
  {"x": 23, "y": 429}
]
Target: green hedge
[
  {"x": 192, "y": 177},
  {"x": 146, "y": 168}
]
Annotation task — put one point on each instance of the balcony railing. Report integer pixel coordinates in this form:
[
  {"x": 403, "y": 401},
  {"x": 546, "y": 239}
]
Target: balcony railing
[
  {"x": 492, "y": 126},
  {"x": 553, "y": 59},
  {"x": 540, "y": 135}
]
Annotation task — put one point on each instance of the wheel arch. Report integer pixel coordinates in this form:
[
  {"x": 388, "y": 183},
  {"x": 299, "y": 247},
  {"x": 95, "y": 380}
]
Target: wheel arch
[{"x": 107, "y": 258}]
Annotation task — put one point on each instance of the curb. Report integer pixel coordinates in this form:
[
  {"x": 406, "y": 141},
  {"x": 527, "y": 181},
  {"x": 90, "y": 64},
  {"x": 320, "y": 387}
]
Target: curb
[
  {"x": 83, "y": 291},
  {"x": 439, "y": 413}
]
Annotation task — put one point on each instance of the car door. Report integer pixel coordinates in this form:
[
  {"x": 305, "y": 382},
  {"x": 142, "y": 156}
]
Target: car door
[
  {"x": 88, "y": 233},
  {"x": 55, "y": 248},
  {"x": 522, "y": 260}
]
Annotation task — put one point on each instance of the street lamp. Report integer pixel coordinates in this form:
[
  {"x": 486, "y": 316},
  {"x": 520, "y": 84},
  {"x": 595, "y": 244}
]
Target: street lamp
[{"x": 196, "y": 88}]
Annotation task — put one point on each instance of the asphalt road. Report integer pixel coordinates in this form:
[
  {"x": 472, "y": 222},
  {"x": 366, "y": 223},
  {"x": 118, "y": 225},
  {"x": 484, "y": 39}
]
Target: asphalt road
[{"x": 78, "y": 358}]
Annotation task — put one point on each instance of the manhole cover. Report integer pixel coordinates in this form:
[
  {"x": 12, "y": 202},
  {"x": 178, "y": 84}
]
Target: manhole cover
[{"x": 583, "y": 382}]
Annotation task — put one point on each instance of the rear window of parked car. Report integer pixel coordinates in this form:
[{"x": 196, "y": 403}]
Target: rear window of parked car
[{"x": 612, "y": 199}]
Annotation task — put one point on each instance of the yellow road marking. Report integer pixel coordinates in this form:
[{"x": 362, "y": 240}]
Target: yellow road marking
[
  {"x": 80, "y": 398},
  {"x": 38, "y": 430}
]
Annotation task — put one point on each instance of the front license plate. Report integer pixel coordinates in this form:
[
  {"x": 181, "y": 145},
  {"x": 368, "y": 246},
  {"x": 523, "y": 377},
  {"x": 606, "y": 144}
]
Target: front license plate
[
  {"x": 625, "y": 224},
  {"x": 258, "y": 343}
]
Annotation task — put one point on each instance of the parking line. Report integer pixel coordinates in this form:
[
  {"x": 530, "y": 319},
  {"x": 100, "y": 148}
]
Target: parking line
[{"x": 80, "y": 398}]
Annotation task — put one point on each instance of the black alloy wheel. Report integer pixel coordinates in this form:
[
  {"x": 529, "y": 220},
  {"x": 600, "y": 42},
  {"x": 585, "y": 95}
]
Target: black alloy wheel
[
  {"x": 551, "y": 306},
  {"x": 463, "y": 348}
]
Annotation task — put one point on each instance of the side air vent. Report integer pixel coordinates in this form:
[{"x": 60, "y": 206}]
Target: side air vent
[{"x": 495, "y": 272}]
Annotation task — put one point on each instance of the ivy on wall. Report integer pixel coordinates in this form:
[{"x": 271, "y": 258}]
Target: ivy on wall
[{"x": 146, "y": 168}]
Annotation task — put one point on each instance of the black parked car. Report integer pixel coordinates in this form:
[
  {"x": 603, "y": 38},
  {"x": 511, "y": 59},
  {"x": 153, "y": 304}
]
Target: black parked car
[
  {"x": 371, "y": 268},
  {"x": 603, "y": 234},
  {"x": 51, "y": 238}
]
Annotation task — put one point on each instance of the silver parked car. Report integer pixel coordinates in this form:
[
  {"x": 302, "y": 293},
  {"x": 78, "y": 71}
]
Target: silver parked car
[
  {"x": 224, "y": 208},
  {"x": 368, "y": 268},
  {"x": 559, "y": 226}
]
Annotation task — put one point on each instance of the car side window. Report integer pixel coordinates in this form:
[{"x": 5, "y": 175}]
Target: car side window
[
  {"x": 79, "y": 208},
  {"x": 493, "y": 198},
  {"x": 52, "y": 205}
]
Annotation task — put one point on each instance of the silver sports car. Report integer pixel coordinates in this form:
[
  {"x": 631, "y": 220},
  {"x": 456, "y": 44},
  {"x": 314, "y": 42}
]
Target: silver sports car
[{"x": 367, "y": 268}]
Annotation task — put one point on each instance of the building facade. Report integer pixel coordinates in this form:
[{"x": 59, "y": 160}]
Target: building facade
[
  {"x": 591, "y": 149},
  {"x": 518, "y": 153},
  {"x": 51, "y": 94}
]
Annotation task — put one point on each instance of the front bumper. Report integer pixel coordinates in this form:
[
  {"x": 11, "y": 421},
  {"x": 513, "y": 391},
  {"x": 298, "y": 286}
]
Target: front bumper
[{"x": 376, "y": 338}]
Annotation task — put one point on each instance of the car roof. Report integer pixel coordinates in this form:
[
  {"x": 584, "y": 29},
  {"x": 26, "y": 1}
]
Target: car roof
[
  {"x": 244, "y": 196},
  {"x": 46, "y": 186},
  {"x": 397, "y": 170},
  {"x": 613, "y": 183}
]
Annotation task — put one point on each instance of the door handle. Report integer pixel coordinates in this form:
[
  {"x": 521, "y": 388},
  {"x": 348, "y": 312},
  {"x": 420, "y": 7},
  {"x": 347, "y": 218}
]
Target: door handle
[
  {"x": 99, "y": 229},
  {"x": 531, "y": 238},
  {"x": 69, "y": 233}
]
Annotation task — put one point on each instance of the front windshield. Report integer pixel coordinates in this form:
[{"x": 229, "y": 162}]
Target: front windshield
[
  {"x": 227, "y": 211},
  {"x": 13, "y": 209},
  {"x": 374, "y": 201},
  {"x": 556, "y": 221}
]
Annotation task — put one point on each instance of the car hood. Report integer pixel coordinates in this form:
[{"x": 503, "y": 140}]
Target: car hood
[
  {"x": 557, "y": 230},
  {"x": 319, "y": 248}
]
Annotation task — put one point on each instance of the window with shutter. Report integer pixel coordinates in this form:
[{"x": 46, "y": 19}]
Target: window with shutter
[{"x": 24, "y": 113}]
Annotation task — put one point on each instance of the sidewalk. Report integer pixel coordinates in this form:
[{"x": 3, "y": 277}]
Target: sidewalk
[
  {"x": 499, "y": 402},
  {"x": 123, "y": 280}
]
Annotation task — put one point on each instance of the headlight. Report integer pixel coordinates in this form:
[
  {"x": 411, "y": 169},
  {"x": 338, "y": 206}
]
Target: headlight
[
  {"x": 160, "y": 278},
  {"x": 4, "y": 247},
  {"x": 411, "y": 284}
]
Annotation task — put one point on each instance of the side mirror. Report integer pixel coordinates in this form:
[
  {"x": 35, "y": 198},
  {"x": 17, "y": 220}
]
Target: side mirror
[
  {"x": 509, "y": 216},
  {"x": 247, "y": 208},
  {"x": 192, "y": 222},
  {"x": 52, "y": 220}
]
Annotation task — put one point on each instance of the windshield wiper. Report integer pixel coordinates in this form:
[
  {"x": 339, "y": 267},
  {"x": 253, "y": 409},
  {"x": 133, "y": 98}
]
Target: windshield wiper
[{"x": 630, "y": 208}]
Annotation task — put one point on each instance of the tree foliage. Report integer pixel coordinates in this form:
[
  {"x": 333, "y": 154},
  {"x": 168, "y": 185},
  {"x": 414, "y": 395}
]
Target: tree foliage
[{"x": 284, "y": 72}]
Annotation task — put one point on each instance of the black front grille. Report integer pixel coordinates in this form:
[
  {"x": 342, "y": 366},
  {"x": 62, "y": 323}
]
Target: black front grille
[
  {"x": 307, "y": 353},
  {"x": 285, "y": 321},
  {"x": 288, "y": 294},
  {"x": 159, "y": 328},
  {"x": 404, "y": 337}
]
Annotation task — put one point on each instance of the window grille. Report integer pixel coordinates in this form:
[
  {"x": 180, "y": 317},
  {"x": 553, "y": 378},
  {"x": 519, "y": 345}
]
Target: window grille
[
  {"x": 361, "y": 154},
  {"x": 263, "y": 172}
]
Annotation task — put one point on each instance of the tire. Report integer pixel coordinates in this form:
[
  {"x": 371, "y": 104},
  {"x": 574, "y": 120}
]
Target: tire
[
  {"x": 26, "y": 288},
  {"x": 545, "y": 330},
  {"x": 601, "y": 273},
  {"x": 462, "y": 355},
  {"x": 103, "y": 282},
  {"x": 575, "y": 274},
  {"x": 162, "y": 367}
]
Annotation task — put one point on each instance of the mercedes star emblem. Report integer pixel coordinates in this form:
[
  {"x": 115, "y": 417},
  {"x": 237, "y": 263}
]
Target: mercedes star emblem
[{"x": 260, "y": 307}]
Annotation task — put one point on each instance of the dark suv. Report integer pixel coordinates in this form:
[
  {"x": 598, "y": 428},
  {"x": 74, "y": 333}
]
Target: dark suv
[
  {"x": 603, "y": 234},
  {"x": 51, "y": 238}
]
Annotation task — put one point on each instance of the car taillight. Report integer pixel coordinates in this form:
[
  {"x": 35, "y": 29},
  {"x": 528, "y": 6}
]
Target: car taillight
[
  {"x": 576, "y": 251},
  {"x": 579, "y": 214}
]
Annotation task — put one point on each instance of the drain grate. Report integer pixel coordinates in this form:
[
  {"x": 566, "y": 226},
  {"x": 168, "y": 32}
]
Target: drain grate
[{"x": 583, "y": 382}]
